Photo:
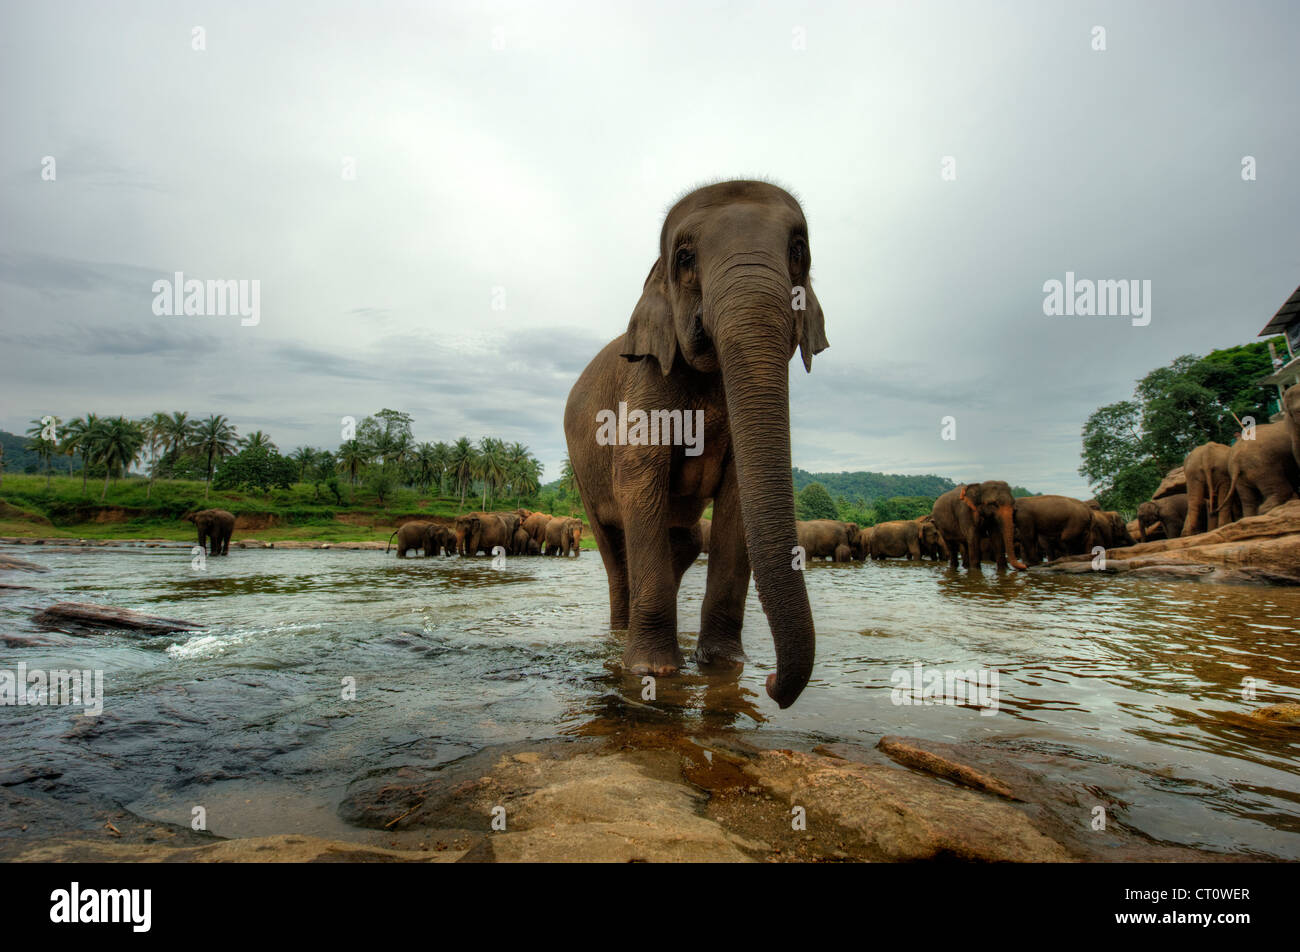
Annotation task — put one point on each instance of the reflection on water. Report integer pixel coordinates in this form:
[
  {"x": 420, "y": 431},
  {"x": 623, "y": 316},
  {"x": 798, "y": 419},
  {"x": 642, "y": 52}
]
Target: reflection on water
[{"x": 1137, "y": 682}]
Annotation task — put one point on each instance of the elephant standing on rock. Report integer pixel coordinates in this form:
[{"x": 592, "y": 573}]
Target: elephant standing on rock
[
  {"x": 721, "y": 313},
  {"x": 1109, "y": 530},
  {"x": 1291, "y": 409},
  {"x": 1210, "y": 501},
  {"x": 968, "y": 513},
  {"x": 1170, "y": 512},
  {"x": 822, "y": 538},
  {"x": 563, "y": 536},
  {"x": 1053, "y": 525},
  {"x": 215, "y": 526},
  {"x": 1264, "y": 470}
]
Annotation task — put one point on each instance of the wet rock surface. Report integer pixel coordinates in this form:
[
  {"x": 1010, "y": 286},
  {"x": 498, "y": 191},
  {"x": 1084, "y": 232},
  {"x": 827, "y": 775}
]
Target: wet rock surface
[
  {"x": 78, "y": 617},
  {"x": 643, "y": 794},
  {"x": 1255, "y": 550}
]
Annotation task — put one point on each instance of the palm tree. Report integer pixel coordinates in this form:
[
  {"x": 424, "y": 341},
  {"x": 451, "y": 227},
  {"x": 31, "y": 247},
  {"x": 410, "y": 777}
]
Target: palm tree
[
  {"x": 352, "y": 457},
  {"x": 179, "y": 433},
  {"x": 461, "y": 462},
  {"x": 214, "y": 439},
  {"x": 567, "y": 480},
  {"x": 304, "y": 456},
  {"x": 43, "y": 446},
  {"x": 77, "y": 438},
  {"x": 491, "y": 466},
  {"x": 425, "y": 460},
  {"x": 156, "y": 429},
  {"x": 256, "y": 440},
  {"x": 442, "y": 459},
  {"x": 118, "y": 444}
]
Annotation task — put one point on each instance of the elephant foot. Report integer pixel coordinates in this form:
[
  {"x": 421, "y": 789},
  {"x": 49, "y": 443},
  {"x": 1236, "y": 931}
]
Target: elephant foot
[
  {"x": 719, "y": 653},
  {"x": 659, "y": 662}
]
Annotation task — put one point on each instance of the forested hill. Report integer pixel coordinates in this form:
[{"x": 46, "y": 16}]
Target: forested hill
[{"x": 870, "y": 487}]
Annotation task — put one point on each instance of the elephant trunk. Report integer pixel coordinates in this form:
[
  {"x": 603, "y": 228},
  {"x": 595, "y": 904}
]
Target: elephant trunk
[
  {"x": 754, "y": 338},
  {"x": 1007, "y": 523}
]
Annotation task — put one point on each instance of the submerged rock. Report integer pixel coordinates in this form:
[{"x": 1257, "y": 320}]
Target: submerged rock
[
  {"x": 1286, "y": 714},
  {"x": 74, "y": 617}
]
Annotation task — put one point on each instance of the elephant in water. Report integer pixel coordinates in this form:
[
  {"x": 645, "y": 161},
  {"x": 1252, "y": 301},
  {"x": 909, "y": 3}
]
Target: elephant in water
[
  {"x": 1170, "y": 512},
  {"x": 535, "y": 525},
  {"x": 969, "y": 513},
  {"x": 897, "y": 539},
  {"x": 822, "y": 538},
  {"x": 708, "y": 345},
  {"x": 1264, "y": 470},
  {"x": 428, "y": 536},
  {"x": 1053, "y": 525},
  {"x": 706, "y": 526},
  {"x": 1210, "y": 501},
  {"x": 485, "y": 531},
  {"x": 563, "y": 536},
  {"x": 215, "y": 529}
]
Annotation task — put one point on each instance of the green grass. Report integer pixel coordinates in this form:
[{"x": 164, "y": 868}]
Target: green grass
[{"x": 26, "y": 504}]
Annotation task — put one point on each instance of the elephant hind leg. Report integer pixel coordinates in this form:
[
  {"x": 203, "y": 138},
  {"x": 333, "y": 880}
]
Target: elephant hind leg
[{"x": 610, "y": 544}]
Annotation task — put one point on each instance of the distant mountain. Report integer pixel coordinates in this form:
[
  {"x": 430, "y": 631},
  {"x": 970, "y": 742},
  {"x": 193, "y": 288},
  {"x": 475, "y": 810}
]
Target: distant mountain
[
  {"x": 19, "y": 459},
  {"x": 870, "y": 487}
]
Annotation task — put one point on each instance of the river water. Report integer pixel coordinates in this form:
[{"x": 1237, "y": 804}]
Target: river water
[{"x": 1132, "y": 685}]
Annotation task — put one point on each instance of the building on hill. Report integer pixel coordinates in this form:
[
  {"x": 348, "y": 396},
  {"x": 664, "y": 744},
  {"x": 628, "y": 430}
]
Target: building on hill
[{"x": 1286, "y": 367}]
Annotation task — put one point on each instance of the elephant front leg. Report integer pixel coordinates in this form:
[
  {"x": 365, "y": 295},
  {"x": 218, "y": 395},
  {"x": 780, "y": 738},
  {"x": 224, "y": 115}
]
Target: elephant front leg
[
  {"x": 652, "y": 617},
  {"x": 728, "y": 581}
]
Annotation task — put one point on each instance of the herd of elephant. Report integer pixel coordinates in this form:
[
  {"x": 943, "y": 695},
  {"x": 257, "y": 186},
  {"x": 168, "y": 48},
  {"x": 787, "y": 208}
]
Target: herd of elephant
[{"x": 517, "y": 532}]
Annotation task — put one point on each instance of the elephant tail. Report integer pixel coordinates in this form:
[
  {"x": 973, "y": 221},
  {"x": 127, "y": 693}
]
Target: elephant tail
[{"x": 390, "y": 539}]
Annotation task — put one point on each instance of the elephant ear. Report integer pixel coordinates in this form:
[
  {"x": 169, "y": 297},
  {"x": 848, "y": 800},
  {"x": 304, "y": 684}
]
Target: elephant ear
[
  {"x": 970, "y": 495},
  {"x": 650, "y": 332},
  {"x": 811, "y": 327}
]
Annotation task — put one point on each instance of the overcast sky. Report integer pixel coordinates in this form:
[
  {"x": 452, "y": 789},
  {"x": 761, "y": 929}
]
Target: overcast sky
[{"x": 544, "y": 169}]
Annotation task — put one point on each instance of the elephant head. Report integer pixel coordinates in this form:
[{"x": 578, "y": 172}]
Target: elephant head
[
  {"x": 1147, "y": 513},
  {"x": 574, "y": 533},
  {"x": 993, "y": 508},
  {"x": 467, "y": 533},
  {"x": 730, "y": 295}
]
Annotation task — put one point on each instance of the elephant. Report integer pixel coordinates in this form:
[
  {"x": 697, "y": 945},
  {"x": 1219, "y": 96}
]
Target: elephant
[
  {"x": 535, "y": 526},
  {"x": 1291, "y": 411},
  {"x": 215, "y": 529},
  {"x": 522, "y": 542},
  {"x": 862, "y": 544},
  {"x": 721, "y": 313},
  {"x": 974, "y": 510},
  {"x": 1264, "y": 473},
  {"x": 1056, "y": 525},
  {"x": 932, "y": 543},
  {"x": 843, "y": 553},
  {"x": 563, "y": 536},
  {"x": 484, "y": 531},
  {"x": 706, "y": 526},
  {"x": 1110, "y": 530},
  {"x": 899, "y": 539},
  {"x": 418, "y": 535},
  {"x": 821, "y": 538},
  {"x": 1210, "y": 504},
  {"x": 1169, "y": 511}
]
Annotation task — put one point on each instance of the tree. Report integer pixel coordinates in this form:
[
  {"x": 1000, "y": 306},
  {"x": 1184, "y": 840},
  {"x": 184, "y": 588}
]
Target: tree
[
  {"x": 462, "y": 464},
  {"x": 255, "y": 440},
  {"x": 117, "y": 447},
  {"x": 78, "y": 437},
  {"x": 44, "y": 441},
  {"x": 304, "y": 456},
  {"x": 814, "y": 502},
  {"x": 352, "y": 458},
  {"x": 257, "y": 468},
  {"x": 155, "y": 438},
  {"x": 213, "y": 440}
]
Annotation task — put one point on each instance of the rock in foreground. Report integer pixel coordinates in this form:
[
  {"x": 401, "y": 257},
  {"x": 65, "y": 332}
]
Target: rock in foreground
[{"x": 78, "y": 617}]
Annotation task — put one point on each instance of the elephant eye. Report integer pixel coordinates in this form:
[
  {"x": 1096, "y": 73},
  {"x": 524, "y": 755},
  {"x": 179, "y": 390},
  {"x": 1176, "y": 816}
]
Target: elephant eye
[
  {"x": 798, "y": 255},
  {"x": 685, "y": 260}
]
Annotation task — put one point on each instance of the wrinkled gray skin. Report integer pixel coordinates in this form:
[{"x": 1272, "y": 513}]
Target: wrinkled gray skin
[
  {"x": 722, "y": 312},
  {"x": 1169, "y": 511},
  {"x": 706, "y": 525},
  {"x": 1264, "y": 471}
]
